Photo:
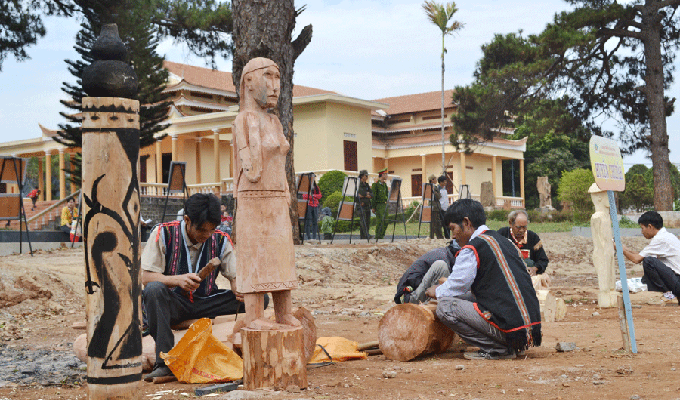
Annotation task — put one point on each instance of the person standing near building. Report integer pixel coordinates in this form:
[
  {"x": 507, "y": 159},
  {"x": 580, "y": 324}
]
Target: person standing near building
[
  {"x": 365, "y": 195},
  {"x": 33, "y": 195},
  {"x": 444, "y": 203},
  {"x": 435, "y": 215},
  {"x": 312, "y": 214},
  {"x": 380, "y": 193}
]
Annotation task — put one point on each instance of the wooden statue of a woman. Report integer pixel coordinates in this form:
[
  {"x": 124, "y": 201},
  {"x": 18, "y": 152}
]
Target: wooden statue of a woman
[{"x": 265, "y": 253}]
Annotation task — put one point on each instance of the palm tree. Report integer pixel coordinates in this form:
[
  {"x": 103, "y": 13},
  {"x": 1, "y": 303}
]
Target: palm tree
[{"x": 440, "y": 15}]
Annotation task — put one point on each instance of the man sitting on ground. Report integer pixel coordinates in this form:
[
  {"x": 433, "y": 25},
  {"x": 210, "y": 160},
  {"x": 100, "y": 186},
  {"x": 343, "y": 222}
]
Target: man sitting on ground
[
  {"x": 527, "y": 242},
  {"x": 488, "y": 299},
  {"x": 425, "y": 272},
  {"x": 172, "y": 258},
  {"x": 660, "y": 258}
]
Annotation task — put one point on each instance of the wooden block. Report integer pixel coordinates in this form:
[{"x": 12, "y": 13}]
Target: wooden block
[
  {"x": 561, "y": 310},
  {"x": 407, "y": 331},
  {"x": 308, "y": 331},
  {"x": 548, "y": 305},
  {"x": 273, "y": 358}
]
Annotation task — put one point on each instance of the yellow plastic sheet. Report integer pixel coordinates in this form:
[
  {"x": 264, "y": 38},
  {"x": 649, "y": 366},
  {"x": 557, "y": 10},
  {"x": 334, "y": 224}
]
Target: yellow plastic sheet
[
  {"x": 340, "y": 349},
  {"x": 200, "y": 358}
]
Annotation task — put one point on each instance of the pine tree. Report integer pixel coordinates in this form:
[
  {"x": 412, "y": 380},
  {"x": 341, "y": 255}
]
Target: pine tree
[{"x": 141, "y": 38}]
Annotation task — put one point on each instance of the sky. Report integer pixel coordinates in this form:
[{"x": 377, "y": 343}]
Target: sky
[{"x": 368, "y": 49}]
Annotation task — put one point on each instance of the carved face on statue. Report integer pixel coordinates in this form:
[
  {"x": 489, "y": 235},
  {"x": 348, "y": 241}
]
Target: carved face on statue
[{"x": 262, "y": 81}]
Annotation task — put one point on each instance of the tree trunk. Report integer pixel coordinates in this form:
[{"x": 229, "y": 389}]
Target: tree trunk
[
  {"x": 442, "y": 110},
  {"x": 264, "y": 29},
  {"x": 654, "y": 91}
]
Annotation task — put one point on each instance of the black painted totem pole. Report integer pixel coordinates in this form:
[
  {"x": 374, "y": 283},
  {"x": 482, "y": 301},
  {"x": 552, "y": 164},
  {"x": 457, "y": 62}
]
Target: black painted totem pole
[{"x": 110, "y": 128}]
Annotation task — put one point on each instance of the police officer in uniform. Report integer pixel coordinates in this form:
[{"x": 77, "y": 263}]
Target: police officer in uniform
[
  {"x": 380, "y": 193},
  {"x": 365, "y": 195}
]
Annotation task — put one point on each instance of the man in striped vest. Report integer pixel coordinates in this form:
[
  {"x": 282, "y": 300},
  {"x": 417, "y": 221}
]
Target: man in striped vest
[
  {"x": 488, "y": 299},
  {"x": 171, "y": 261}
]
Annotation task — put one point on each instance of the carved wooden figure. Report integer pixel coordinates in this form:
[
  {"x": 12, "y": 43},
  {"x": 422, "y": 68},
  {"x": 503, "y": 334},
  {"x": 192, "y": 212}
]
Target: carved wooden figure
[
  {"x": 111, "y": 222},
  {"x": 603, "y": 248},
  {"x": 266, "y": 257}
]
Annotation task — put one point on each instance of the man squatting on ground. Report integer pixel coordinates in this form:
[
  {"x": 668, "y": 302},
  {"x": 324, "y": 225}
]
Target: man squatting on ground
[
  {"x": 527, "y": 242},
  {"x": 174, "y": 254},
  {"x": 425, "y": 272},
  {"x": 660, "y": 258},
  {"x": 488, "y": 299}
]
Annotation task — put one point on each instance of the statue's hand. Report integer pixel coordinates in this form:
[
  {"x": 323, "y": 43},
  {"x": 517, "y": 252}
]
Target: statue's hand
[{"x": 252, "y": 175}]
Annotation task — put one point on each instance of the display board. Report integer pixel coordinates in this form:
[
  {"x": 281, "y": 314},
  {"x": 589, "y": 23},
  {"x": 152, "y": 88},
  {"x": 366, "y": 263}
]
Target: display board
[
  {"x": 10, "y": 206},
  {"x": 395, "y": 187},
  {"x": 176, "y": 180},
  {"x": 12, "y": 169}
]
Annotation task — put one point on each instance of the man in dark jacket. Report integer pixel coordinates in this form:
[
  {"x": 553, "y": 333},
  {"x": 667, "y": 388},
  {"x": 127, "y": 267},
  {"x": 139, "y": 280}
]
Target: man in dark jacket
[
  {"x": 488, "y": 299},
  {"x": 527, "y": 242},
  {"x": 365, "y": 195},
  {"x": 425, "y": 272}
]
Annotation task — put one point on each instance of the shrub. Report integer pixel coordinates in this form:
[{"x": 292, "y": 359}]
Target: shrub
[
  {"x": 574, "y": 188},
  {"x": 497, "y": 215},
  {"x": 333, "y": 201},
  {"x": 330, "y": 183}
]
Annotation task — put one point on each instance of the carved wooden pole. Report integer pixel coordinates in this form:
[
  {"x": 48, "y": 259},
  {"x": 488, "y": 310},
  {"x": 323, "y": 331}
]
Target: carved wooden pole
[{"x": 111, "y": 221}]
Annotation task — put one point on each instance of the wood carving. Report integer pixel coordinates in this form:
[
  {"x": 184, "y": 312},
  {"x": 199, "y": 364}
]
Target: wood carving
[
  {"x": 266, "y": 257},
  {"x": 407, "y": 331},
  {"x": 603, "y": 249},
  {"x": 111, "y": 207}
]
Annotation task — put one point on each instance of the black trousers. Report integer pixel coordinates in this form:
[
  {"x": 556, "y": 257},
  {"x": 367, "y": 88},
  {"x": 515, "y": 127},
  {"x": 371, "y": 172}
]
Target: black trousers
[
  {"x": 447, "y": 232},
  {"x": 164, "y": 308},
  {"x": 364, "y": 220},
  {"x": 660, "y": 278}
]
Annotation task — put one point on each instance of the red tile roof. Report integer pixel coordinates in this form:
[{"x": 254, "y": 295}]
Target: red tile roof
[
  {"x": 417, "y": 102},
  {"x": 220, "y": 80}
]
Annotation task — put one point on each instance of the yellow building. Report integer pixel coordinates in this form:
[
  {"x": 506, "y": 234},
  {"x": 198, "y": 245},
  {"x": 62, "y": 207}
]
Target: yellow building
[{"x": 332, "y": 131}]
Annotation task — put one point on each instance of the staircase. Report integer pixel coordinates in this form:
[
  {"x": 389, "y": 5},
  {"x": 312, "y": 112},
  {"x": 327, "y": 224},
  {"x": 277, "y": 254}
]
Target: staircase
[{"x": 46, "y": 222}]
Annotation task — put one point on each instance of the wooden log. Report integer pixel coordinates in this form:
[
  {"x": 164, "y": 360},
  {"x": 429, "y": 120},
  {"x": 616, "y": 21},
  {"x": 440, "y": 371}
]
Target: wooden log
[
  {"x": 368, "y": 345},
  {"x": 548, "y": 305},
  {"x": 561, "y": 310},
  {"x": 273, "y": 358},
  {"x": 111, "y": 205},
  {"x": 308, "y": 332},
  {"x": 407, "y": 331}
]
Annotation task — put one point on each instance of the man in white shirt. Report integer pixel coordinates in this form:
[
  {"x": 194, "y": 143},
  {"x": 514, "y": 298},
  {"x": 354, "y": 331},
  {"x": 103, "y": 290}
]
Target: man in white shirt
[
  {"x": 660, "y": 258},
  {"x": 488, "y": 299}
]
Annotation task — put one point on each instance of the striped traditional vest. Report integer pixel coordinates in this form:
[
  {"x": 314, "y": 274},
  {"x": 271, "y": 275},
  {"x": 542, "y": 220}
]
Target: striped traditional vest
[
  {"x": 505, "y": 296},
  {"x": 177, "y": 259}
]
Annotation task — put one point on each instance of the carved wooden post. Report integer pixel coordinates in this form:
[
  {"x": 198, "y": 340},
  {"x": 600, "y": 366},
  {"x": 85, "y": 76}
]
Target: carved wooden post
[{"x": 111, "y": 221}]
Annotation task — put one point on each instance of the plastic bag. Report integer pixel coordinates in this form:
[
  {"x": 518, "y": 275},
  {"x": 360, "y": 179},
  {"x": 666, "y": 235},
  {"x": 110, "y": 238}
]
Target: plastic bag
[
  {"x": 340, "y": 349},
  {"x": 634, "y": 285},
  {"x": 200, "y": 358}
]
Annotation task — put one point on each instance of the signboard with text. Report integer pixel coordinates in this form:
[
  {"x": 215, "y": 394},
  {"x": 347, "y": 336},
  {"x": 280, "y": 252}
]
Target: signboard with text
[{"x": 607, "y": 163}]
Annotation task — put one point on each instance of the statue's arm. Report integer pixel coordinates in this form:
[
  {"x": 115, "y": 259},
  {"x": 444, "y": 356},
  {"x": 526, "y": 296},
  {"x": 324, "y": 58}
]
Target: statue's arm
[{"x": 247, "y": 136}]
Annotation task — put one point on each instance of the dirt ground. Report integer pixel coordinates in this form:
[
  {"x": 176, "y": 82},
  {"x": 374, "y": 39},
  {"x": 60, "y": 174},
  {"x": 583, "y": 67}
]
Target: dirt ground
[{"x": 348, "y": 288}]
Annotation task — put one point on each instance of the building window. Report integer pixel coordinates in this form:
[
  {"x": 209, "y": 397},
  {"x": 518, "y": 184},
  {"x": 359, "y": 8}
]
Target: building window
[
  {"x": 142, "y": 168},
  {"x": 166, "y": 159},
  {"x": 350, "y": 155},
  {"x": 416, "y": 185}
]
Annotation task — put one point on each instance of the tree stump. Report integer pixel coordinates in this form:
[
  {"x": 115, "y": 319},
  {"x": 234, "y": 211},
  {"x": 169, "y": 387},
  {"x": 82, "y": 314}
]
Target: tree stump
[
  {"x": 407, "y": 331},
  {"x": 273, "y": 358}
]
